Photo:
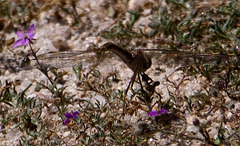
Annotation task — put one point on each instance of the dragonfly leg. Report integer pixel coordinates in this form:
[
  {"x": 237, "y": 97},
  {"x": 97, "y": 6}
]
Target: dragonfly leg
[
  {"x": 129, "y": 85},
  {"x": 146, "y": 78},
  {"x": 131, "y": 82},
  {"x": 140, "y": 82}
]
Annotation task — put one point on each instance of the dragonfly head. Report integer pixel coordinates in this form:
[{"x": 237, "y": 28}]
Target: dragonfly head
[{"x": 141, "y": 62}]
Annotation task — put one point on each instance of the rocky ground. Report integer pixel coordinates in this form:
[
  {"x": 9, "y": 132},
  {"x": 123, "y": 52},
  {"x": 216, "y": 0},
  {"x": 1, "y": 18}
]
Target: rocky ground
[{"x": 200, "y": 95}]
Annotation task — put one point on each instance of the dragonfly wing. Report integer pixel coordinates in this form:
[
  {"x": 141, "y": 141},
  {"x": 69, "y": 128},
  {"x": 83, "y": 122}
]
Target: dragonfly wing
[
  {"x": 187, "y": 58},
  {"x": 67, "y": 59}
]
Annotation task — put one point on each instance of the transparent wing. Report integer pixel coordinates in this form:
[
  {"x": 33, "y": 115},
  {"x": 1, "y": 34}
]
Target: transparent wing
[
  {"x": 183, "y": 57},
  {"x": 68, "y": 59},
  {"x": 91, "y": 57}
]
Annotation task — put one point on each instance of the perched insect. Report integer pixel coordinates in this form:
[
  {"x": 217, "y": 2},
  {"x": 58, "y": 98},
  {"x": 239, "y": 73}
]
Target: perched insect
[{"x": 137, "y": 61}]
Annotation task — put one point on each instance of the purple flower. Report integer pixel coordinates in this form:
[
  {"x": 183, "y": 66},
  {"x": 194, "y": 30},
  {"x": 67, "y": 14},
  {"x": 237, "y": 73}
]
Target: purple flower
[
  {"x": 66, "y": 121},
  {"x": 25, "y": 37},
  {"x": 153, "y": 113},
  {"x": 162, "y": 111},
  {"x": 156, "y": 113},
  {"x": 70, "y": 116}
]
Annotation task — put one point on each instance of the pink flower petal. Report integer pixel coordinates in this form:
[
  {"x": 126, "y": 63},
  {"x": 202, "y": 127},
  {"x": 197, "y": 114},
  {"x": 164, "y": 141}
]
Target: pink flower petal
[
  {"x": 75, "y": 114},
  {"x": 20, "y": 34},
  {"x": 25, "y": 42},
  {"x": 66, "y": 121},
  {"x": 153, "y": 113},
  {"x": 163, "y": 111},
  {"x": 30, "y": 30},
  {"x": 18, "y": 43},
  {"x": 68, "y": 115},
  {"x": 30, "y": 36}
]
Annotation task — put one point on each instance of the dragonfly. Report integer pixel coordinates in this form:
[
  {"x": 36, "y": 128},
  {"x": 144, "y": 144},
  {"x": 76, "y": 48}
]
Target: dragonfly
[{"x": 137, "y": 60}]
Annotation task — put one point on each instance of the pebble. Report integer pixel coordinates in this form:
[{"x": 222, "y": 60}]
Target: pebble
[{"x": 136, "y": 4}]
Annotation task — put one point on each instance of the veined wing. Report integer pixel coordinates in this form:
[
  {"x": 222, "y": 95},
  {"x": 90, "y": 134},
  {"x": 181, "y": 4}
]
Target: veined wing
[
  {"x": 184, "y": 56},
  {"x": 187, "y": 54},
  {"x": 68, "y": 59}
]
